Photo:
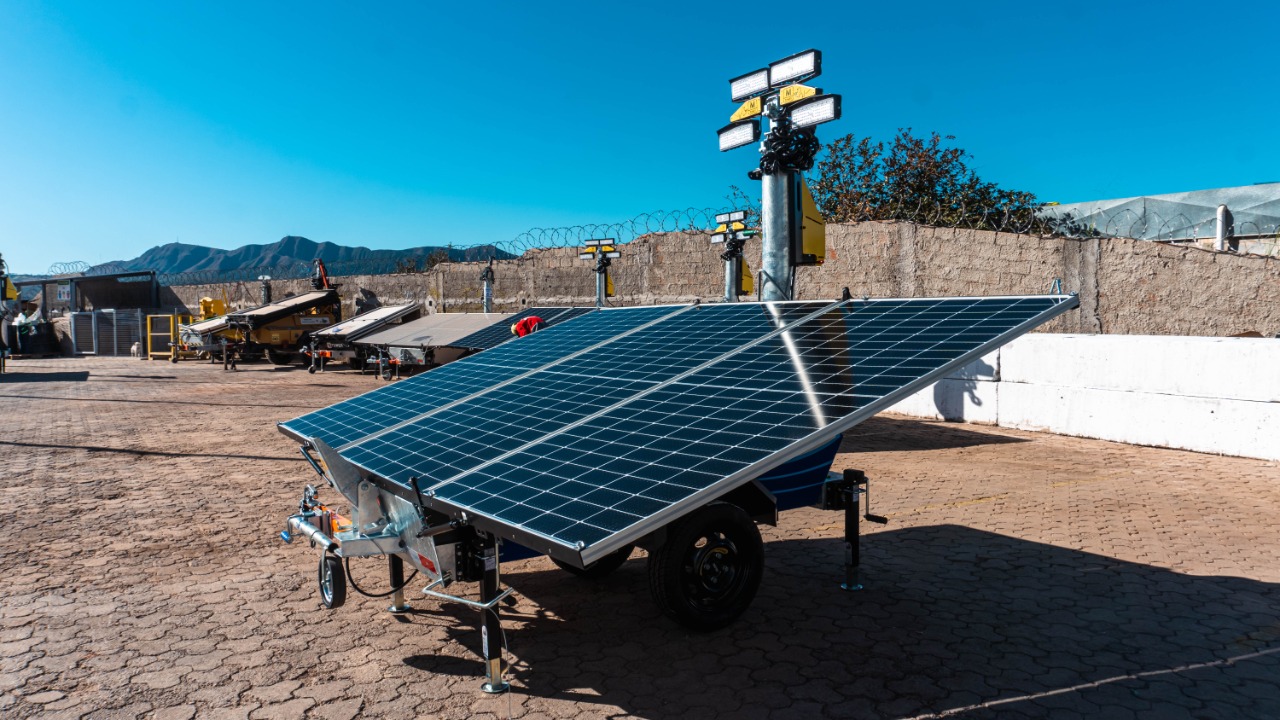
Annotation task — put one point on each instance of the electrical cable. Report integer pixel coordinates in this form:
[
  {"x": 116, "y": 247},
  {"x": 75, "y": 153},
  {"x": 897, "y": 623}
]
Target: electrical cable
[
  {"x": 346, "y": 564},
  {"x": 787, "y": 149}
]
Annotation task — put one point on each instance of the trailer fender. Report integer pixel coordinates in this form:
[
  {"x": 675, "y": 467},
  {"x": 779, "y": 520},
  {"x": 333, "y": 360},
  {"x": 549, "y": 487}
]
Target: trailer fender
[{"x": 754, "y": 498}]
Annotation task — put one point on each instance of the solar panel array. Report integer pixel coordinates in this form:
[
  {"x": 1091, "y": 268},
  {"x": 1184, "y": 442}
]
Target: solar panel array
[
  {"x": 500, "y": 332},
  {"x": 365, "y": 322},
  {"x": 438, "y": 330},
  {"x": 263, "y": 314},
  {"x": 584, "y": 450}
]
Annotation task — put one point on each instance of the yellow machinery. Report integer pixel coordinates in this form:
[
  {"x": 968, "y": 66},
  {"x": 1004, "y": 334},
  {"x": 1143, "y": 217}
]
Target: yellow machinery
[
  {"x": 283, "y": 339},
  {"x": 168, "y": 336},
  {"x": 282, "y": 329},
  {"x": 210, "y": 308}
]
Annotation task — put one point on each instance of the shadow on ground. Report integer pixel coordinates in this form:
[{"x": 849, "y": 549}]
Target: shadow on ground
[
  {"x": 17, "y": 376},
  {"x": 167, "y": 403},
  {"x": 145, "y": 453},
  {"x": 951, "y": 620},
  {"x": 886, "y": 434}
]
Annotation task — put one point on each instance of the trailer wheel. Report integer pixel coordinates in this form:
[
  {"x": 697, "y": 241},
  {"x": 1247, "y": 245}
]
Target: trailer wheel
[
  {"x": 600, "y": 568},
  {"x": 278, "y": 357},
  {"x": 311, "y": 369},
  {"x": 333, "y": 581},
  {"x": 707, "y": 572}
]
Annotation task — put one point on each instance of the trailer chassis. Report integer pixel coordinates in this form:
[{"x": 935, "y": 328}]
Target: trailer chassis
[{"x": 454, "y": 550}]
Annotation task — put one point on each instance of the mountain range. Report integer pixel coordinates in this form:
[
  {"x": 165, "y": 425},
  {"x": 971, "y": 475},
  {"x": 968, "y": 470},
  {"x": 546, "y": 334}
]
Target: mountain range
[{"x": 289, "y": 250}]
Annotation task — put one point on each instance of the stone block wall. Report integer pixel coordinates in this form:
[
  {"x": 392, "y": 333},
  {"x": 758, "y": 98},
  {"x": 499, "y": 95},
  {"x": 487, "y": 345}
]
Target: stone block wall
[{"x": 1125, "y": 286}]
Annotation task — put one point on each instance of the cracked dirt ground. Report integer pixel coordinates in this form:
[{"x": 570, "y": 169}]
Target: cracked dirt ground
[{"x": 1021, "y": 575}]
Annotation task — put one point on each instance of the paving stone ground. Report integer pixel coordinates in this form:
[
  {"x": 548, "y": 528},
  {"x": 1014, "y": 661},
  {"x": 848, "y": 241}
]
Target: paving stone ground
[{"x": 1020, "y": 575}]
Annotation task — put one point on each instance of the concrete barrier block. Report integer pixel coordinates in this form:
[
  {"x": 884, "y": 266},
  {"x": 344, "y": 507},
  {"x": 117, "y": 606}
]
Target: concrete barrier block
[
  {"x": 1205, "y": 367},
  {"x": 1232, "y": 427}
]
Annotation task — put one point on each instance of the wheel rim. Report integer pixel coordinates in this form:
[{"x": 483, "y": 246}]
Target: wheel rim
[
  {"x": 326, "y": 580},
  {"x": 713, "y": 570}
]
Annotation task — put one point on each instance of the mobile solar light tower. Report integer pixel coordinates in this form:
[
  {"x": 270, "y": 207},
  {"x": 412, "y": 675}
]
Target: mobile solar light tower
[
  {"x": 717, "y": 418},
  {"x": 787, "y": 150},
  {"x": 603, "y": 251},
  {"x": 733, "y": 233}
]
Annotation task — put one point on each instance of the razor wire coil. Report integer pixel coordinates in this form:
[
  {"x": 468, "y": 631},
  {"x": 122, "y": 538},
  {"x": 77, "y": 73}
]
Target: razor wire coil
[{"x": 1045, "y": 221}]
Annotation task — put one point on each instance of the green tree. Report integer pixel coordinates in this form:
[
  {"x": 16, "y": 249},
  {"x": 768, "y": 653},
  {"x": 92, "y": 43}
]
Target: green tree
[{"x": 917, "y": 179}]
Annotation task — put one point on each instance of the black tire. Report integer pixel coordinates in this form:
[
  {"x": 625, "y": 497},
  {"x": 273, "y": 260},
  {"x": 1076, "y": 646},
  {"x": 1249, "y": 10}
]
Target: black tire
[
  {"x": 311, "y": 369},
  {"x": 708, "y": 571},
  {"x": 173, "y": 359},
  {"x": 278, "y": 357},
  {"x": 333, "y": 581},
  {"x": 600, "y": 568}
]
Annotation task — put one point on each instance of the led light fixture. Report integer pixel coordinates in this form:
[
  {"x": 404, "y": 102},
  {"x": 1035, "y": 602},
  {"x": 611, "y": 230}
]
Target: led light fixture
[
  {"x": 747, "y": 86},
  {"x": 815, "y": 111},
  {"x": 735, "y": 216},
  {"x": 797, "y": 68},
  {"x": 719, "y": 237},
  {"x": 613, "y": 254},
  {"x": 586, "y": 256},
  {"x": 738, "y": 134},
  {"x": 597, "y": 243}
]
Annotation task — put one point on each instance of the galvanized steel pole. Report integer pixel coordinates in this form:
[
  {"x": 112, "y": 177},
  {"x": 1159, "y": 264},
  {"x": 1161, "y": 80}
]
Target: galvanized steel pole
[
  {"x": 487, "y": 278},
  {"x": 1223, "y": 228},
  {"x": 775, "y": 223}
]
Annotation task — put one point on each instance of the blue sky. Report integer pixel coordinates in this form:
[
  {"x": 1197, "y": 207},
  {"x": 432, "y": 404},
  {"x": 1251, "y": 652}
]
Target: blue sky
[{"x": 129, "y": 125}]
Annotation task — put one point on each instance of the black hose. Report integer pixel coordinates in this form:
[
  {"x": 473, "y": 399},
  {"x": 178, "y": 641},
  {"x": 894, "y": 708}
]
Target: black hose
[{"x": 346, "y": 565}]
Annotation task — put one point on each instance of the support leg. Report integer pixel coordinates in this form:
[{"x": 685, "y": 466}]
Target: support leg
[
  {"x": 852, "y": 515},
  {"x": 396, "y": 567},
  {"x": 491, "y": 623}
]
